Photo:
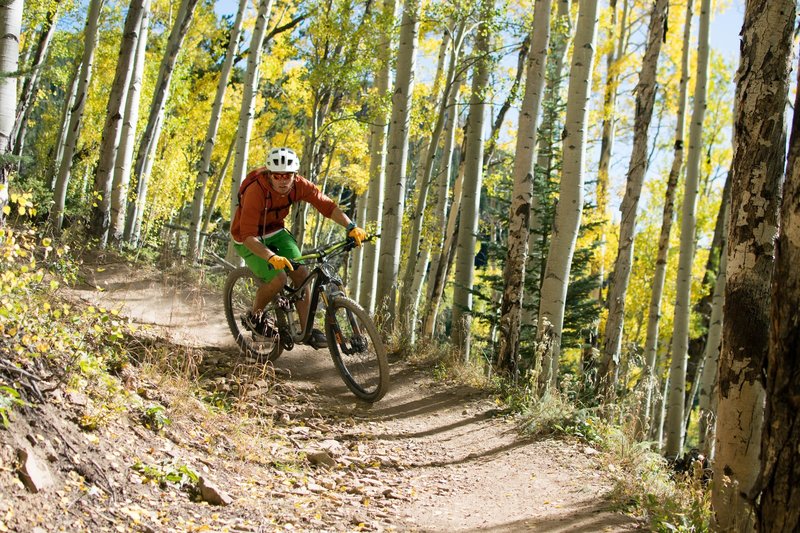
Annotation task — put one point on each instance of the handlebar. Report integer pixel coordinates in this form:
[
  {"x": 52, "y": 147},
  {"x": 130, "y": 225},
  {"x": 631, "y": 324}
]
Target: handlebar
[{"x": 330, "y": 250}]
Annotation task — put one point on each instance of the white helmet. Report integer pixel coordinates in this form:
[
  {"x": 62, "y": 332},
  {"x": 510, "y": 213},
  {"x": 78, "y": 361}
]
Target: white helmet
[{"x": 282, "y": 160}]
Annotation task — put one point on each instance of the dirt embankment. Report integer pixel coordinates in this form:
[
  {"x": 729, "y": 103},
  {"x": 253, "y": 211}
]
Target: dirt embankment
[{"x": 287, "y": 448}]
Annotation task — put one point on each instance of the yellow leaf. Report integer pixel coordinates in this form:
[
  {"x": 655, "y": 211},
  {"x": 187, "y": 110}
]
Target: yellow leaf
[
  {"x": 6, "y": 210},
  {"x": 101, "y": 269},
  {"x": 22, "y": 210},
  {"x": 46, "y": 241}
]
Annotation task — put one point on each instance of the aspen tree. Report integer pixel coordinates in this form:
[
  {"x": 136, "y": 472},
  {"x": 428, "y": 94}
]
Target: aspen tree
[
  {"x": 779, "y": 504},
  {"x": 377, "y": 168},
  {"x": 418, "y": 258},
  {"x": 246, "y": 112},
  {"x": 76, "y": 115},
  {"x": 758, "y": 167},
  {"x": 561, "y": 29},
  {"x": 522, "y": 193},
  {"x": 152, "y": 132},
  {"x": 211, "y": 135},
  {"x": 660, "y": 274},
  {"x": 122, "y": 166},
  {"x": 442, "y": 222},
  {"x": 31, "y": 85},
  {"x": 10, "y": 27},
  {"x": 683, "y": 309},
  {"x": 570, "y": 204},
  {"x": 104, "y": 175},
  {"x": 66, "y": 112},
  {"x": 396, "y": 162},
  {"x": 619, "y": 30},
  {"x": 708, "y": 378},
  {"x": 471, "y": 193},
  {"x": 637, "y": 168}
]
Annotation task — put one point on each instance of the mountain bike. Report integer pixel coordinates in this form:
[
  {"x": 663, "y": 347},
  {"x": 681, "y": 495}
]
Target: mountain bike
[{"x": 353, "y": 340}]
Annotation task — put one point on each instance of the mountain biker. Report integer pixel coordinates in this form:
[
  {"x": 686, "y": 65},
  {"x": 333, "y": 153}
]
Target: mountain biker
[{"x": 266, "y": 246}]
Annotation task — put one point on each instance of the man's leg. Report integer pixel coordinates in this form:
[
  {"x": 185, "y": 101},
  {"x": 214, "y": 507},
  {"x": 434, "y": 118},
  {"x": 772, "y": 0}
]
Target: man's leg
[
  {"x": 298, "y": 276},
  {"x": 274, "y": 280},
  {"x": 268, "y": 291}
]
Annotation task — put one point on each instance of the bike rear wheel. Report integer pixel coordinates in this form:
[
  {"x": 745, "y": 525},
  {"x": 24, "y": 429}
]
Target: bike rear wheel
[
  {"x": 239, "y": 295},
  {"x": 357, "y": 349}
]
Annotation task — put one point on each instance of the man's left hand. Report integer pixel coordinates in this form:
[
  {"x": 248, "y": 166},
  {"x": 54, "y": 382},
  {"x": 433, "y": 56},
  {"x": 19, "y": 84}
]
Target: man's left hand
[{"x": 358, "y": 235}]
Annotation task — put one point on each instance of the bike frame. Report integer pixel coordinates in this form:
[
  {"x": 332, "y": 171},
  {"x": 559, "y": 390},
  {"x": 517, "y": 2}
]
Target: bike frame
[{"x": 319, "y": 278}]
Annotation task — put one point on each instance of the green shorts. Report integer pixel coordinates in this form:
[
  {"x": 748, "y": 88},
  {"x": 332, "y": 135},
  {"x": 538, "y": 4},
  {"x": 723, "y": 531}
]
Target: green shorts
[{"x": 282, "y": 243}]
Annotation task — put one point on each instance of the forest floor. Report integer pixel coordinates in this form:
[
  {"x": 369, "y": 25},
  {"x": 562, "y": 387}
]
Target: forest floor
[{"x": 286, "y": 448}]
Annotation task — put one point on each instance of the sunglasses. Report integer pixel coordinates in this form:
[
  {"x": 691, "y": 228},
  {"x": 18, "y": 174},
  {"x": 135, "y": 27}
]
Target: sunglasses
[{"x": 282, "y": 176}]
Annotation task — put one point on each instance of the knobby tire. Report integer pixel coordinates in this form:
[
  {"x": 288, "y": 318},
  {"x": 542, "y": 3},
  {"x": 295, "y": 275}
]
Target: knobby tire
[
  {"x": 357, "y": 349},
  {"x": 240, "y": 291}
]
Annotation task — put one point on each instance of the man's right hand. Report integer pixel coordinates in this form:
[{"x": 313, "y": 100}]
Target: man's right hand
[{"x": 279, "y": 262}]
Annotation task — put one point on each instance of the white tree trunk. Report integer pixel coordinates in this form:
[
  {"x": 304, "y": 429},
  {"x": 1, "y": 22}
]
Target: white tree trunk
[
  {"x": 416, "y": 253},
  {"x": 570, "y": 203},
  {"x": 471, "y": 193},
  {"x": 561, "y": 28},
  {"x": 396, "y": 163},
  {"x": 152, "y": 132},
  {"x": 758, "y": 166},
  {"x": 76, "y": 115},
  {"x": 247, "y": 110},
  {"x": 377, "y": 168},
  {"x": 441, "y": 220},
  {"x": 654, "y": 312},
  {"x": 211, "y": 135},
  {"x": 779, "y": 502},
  {"x": 122, "y": 165},
  {"x": 10, "y": 27},
  {"x": 31, "y": 85},
  {"x": 66, "y": 113},
  {"x": 357, "y": 256},
  {"x": 218, "y": 185},
  {"x": 522, "y": 193},
  {"x": 683, "y": 308},
  {"x": 645, "y": 98},
  {"x": 112, "y": 130},
  {"x": 708, "y": 379},
  {"x": 441, "y": 272}
]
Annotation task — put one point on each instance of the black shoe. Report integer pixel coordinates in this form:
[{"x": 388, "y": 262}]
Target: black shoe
[
  {"x": 317, "y": 339},
  {"x": 259, "y": 324}
]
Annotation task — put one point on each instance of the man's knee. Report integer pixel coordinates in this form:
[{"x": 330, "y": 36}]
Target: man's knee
[
  {"x": 299, "y": 274},
  {"x": 279, "y": 281}
]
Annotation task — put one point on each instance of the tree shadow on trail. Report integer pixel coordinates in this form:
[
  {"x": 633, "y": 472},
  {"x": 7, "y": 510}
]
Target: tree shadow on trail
[{"x": 588, "y": 517}]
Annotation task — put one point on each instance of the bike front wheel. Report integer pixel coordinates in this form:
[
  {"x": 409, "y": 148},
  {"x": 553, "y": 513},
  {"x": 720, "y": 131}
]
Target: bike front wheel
[
  {"x": 357, "y": 349},
  {"x": 239, "y": 295}
]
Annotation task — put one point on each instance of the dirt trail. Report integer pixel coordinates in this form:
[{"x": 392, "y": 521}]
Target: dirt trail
[{"x": 466, "y": 468}]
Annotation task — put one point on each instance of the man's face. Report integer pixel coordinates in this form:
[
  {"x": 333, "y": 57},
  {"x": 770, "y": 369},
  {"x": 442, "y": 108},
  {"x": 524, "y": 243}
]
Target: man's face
[{"x": 282, "y": 181}]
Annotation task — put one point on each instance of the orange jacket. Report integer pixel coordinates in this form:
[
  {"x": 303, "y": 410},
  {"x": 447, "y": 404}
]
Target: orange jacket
[{"x": 262, "y": 209}]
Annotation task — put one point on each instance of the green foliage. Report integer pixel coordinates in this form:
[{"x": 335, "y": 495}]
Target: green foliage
[
  {"x": 166, "y": 474},
  {"x": 555, "y": 414},
  {"x": 219, "y": 401},
  {"x": 82, "y": 344},
  {"x": 646, "y": 485},
  {"x": 9, "y": 398},
  {"x": 155, "y": 417}
]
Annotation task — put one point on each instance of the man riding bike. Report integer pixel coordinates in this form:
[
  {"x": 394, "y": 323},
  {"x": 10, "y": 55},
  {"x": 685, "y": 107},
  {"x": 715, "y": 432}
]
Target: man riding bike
[{"x": 265, "y": 245}]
